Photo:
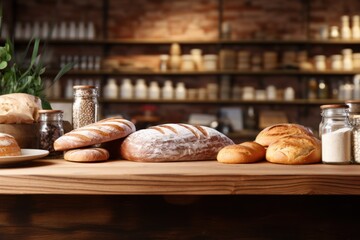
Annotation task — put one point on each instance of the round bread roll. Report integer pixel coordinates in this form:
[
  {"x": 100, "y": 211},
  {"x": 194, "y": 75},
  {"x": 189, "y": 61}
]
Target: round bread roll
[
  {"x": 271, "y": 134},
  {"x": 295, "y": 149},
  {"x": 87, "y": 155},
  {"x": 8, "y": 146},
  {"x": 246, "y": 152}
]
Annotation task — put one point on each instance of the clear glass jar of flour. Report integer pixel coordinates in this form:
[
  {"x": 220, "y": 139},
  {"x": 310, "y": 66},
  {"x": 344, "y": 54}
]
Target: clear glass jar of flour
[
  {"x": 335, "y": 133},
  {"x": 354, "y": 118}
]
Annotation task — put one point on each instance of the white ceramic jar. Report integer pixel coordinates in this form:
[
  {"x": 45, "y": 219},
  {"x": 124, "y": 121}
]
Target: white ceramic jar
[
  {"x": 126, "y": 89},
  {"x": 154, "y": 91},
  {"x": 210, "y": 62},
  {"x": 167, "y": 90},
  {"x": 140, "y": 89},
  {"x": 111, "y": 89},
  {"x": 180, "y": 91}
]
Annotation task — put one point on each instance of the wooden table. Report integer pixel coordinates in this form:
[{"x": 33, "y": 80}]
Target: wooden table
[
  {"x": 56, "y": 176},
  {"x": 55, "y": 199}
]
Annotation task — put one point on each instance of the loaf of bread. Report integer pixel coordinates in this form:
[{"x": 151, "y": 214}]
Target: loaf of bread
[
  {"x": 271, "y": 134},
  {"x": 8, "y": 146},
  {"x": 19, "y": 108},
  {"x": 246, "y": 152},
  {"x": 103, "y": 131},
  {"x": 174, "y": 142},
  {"x": 87, "y": 155},
  {"x": 295, "y": 149}
]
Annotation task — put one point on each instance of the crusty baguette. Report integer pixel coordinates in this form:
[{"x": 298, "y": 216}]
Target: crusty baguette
[
  {"x": 103, "y": 131},
  {"x": 87, "y": 155},
  {"x": 174, "y": 142},
  {"x": 8, "y": 146},
  {"x": 271, "y": 134},
  {"x": 295, "y": 149},
  {"x": 246, "y": 152}
]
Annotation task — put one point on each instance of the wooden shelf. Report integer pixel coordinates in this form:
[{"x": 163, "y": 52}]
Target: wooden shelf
[
  {"x": 197, "y": 73},
  {"x": 56, "y": 176},
  {"x": 314, "y": 102}
]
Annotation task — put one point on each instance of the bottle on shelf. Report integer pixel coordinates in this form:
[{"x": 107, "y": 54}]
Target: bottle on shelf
[
  {"x": 164, "y": 63},
  {"x": 167, "y": 90},
  {"x": 355, "y": 31},
  {"x": 345, "y": 27},
  {"x": 180, "y": 91},
  {"x": 36, "y": 32},
  {"x": 69, "y": 89},
  {"x": 323, "y": 89},
  {"x": 18, "y": 31},
  {"x": 154, "y": 91},
  {"x": 250, "y": 119},
  {"x": 81, "y": 30},
  {"x": 140, "y": 89},
  {"x": 72, "y": 30},
  {"x": 126, "y": 89},
  {"x": 347, "y": 59},
  {"x": 334, "y": 32},
  {"x": 175, "y": 58},
  {"x": 289, "y": 94},
  {"x": 63, "y": 34},
  {"x": 111, "y": 89},
  {"x": 312, "y": 89},
  {"x": 45, "y": 30},
  {"x": 91, "y": 31},
  {"x": 197, "y": 58}
]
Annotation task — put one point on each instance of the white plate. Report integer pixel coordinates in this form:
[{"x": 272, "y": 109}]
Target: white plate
[{"x": 26, "y": 155}]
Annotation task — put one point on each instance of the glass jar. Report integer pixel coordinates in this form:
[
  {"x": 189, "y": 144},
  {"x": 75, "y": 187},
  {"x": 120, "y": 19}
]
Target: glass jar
[
  {"x": 354, "y": 118},
  {"x": 335, "y": 133},
  {"x": 51, "y": 128},
  {"x": 85, "y": 106}
]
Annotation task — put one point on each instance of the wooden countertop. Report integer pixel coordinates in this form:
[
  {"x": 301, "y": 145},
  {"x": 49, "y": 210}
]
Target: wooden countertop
[{"x": 57, "y": 176}]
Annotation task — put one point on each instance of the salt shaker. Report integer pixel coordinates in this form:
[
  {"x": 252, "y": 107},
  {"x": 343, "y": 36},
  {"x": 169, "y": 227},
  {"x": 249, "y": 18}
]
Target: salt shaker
[
  {"x": 335, "y": 132},
  {"x": 85, "y": 106},
  {"x": 51, "y": 128}
]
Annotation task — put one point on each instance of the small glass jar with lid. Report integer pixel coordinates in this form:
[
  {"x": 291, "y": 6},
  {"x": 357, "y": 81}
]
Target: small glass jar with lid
[
  {"x": 335, "y": 133},
  {"x": 354, "y": 118},
  {"x": 51, "y": 128},
  {"x": 85, "y": 106}
]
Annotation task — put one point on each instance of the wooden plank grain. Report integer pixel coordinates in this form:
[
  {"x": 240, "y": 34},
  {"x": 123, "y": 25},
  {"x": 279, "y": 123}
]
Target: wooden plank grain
[{"x": 207, "y": 177}]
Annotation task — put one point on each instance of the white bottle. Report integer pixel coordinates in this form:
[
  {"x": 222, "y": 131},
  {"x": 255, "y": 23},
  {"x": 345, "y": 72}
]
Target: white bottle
[
  {"x": 81, "y": 30},
  {"x": 72, "y": 30},
  {"x": 63, "y": 34},
  {"x": 45, "y": 30},
  {"x": 36, "y": 30},
  {"x": 126, "y": 89},
  {"x": 180, "y": 91},
  {"x": 154, "y": 91},
  {"x": 27, "y": 31},
  {"x": 289, "y": 94},
  {"x": 55, "y": 32},
  {"x": 140, "y": 89},
  {"x": 18, "y": 31},
  {"x": 347, "y": 59},
  {"x": 111, "y": 89},
  {"x": 356, "y": 27},
  {"x": 69, "y": 89},
  {"x": 345, "y": 27},
  {"x": 167, "y": 90},
  {"x": 91, "y": 31}
]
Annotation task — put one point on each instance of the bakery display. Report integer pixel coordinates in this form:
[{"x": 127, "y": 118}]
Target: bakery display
[
  {"x": 272, "y": 133},
  {"x": 19, "y": 108},
  {"x": 246, "y": 152},
  {"x": 102, "y": 131},
  {"x": 174, "y": 142},
  {"x": 86, "y": 155},
  {"x": 295, "y": 149},
  {"x": 8, "y": 146}
]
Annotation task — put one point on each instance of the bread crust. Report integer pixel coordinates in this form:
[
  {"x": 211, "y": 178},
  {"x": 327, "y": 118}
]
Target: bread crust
[
  {"x": 174, "y": 142},
  {"x": 246, "y": 152},
  {"x": 87, "y": 155},
  {"x": 273, "y": 133},
  {"x": 9, "y": 146},
  {"x": 102, "y": 131},
  {"x": 295, "y": 149}
]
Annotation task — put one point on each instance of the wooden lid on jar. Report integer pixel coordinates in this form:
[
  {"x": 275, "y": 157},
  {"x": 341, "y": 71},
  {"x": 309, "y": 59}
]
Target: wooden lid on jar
[
  {"x": 327, "y": 106},
  {"x": 354, "y": 106}
]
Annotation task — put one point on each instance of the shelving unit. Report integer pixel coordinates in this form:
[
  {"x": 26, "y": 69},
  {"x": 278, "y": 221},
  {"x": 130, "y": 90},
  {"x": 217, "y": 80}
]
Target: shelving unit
[{"x": 106, "y": 43}]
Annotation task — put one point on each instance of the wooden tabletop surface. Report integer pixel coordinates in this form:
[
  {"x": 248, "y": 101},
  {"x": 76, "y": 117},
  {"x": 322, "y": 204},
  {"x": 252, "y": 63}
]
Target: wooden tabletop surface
[{"x": 57, "y": 176}]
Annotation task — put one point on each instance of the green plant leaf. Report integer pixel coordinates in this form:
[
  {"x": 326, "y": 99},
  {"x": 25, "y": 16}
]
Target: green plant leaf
[{"x": 3, "y": 65}]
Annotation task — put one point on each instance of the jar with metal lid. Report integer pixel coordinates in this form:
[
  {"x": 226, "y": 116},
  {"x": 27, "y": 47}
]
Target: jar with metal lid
[
  {"x": 354, "y": 118},
  {"x": 335, "y": 133},
  {"x": 51, "y": 128},
  {"x": 85, "y": 106}
]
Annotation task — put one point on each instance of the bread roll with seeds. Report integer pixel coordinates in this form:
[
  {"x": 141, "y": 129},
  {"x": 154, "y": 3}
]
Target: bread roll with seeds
[
  {"x": 174, "y": 142},
  {"x": 103, "y": 131}
]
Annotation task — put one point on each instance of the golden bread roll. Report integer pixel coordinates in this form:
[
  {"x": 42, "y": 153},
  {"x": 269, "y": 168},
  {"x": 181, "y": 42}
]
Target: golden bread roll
[
  {"x": 271, "y": 134},
  {"x": 87, "y": 155},
  {"x": 295, "y": 149},
  {"x": 246, "y": 152},
  {"x": 8, "y": 146}
]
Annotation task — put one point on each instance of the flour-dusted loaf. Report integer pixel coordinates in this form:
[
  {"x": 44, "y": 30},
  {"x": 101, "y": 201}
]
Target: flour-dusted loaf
[
  {"x": 8, "y": 146},
  {"x": 295, "y": 149},
  {"x": 87, "y": 155},
  {"x": 19, "y": 108},
  {"x": 272, "y": 133},
  {"x": 174, "y": 142},
  {"x": 246, "y": 152},
  {"x": 103, "y": 131}
]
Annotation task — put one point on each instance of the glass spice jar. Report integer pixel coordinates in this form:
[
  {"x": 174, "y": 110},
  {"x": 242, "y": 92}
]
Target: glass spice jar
[
  {"x": 354, "y": 118},
  {"x": 85, "y": 106},
  {"x": 51, "y": 128},
  {"x": 335, "y": 133}
]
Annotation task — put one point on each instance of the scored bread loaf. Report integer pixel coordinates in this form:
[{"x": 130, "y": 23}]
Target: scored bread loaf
[
  {"x": 174, "y": 142},
  {"x": 246, "y": 152},
  {"x": 102, "y": 131},
  {"x": 272, "y": 133},
  {"x": 295, "y": 149},
  {"x": 8, "y": 146},
  {"x": 86, "y": 155}
]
